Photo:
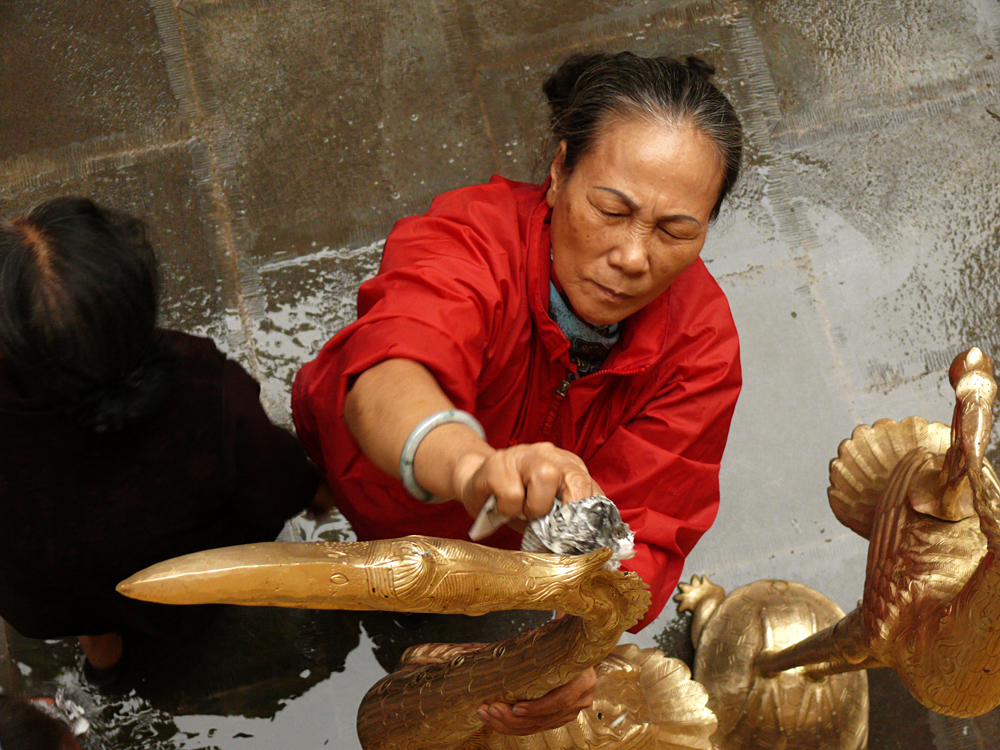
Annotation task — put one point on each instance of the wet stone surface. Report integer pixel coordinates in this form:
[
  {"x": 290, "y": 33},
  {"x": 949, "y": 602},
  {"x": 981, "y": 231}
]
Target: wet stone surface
[
  {"x": 306, "y": 301},
  {"x": 69, "y": 76},
  {"x": 331, "y": 119},
  {"x": 271, "y": 146}
]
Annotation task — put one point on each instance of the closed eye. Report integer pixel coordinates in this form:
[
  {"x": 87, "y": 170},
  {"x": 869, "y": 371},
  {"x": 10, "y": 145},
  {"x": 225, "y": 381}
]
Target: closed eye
[{"x": 676, "y": 235}]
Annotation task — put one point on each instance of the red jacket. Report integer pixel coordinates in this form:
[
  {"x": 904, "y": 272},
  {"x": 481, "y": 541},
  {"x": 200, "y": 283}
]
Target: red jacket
[{"x": 464, "y": 290}]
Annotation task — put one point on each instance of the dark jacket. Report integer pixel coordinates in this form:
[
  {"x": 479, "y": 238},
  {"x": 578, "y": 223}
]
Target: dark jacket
[{"x": 80, "y": 511}]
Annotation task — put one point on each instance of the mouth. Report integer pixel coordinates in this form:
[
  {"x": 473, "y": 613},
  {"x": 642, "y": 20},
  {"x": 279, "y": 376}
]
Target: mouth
[{"x": 613, "y": 294}]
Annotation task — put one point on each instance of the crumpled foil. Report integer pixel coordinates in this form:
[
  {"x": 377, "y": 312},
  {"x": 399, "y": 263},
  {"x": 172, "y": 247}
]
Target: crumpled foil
[{"x": 581, "y": 527}]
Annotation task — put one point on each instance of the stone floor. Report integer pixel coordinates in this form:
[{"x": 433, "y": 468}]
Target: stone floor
[{"x": 271, "y": 144}]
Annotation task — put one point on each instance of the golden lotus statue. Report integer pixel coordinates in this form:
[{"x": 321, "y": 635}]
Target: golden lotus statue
[
  {"x": 928, "y": 501},
  {"x": 643, "y": 701}
]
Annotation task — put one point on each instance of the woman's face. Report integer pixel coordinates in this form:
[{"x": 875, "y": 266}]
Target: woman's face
[{"x": 632, "y": 215}]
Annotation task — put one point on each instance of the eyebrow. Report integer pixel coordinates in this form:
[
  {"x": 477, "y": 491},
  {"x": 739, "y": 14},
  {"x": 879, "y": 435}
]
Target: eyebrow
[{"x": 634, "y": 206}]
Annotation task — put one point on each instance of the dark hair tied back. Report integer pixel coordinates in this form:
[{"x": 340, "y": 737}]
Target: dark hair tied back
[
  {"x": 79, "y": 289},
  {"x": 699, "y": 66},
  {"x": 587, "y": 90}
]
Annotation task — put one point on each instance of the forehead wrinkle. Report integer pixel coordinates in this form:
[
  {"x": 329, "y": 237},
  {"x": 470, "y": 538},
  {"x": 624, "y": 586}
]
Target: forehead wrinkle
[{"x": 674, "y": 122}]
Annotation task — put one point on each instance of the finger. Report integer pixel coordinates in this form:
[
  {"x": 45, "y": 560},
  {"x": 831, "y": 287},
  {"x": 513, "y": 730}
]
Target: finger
[
  {"x": 510, "y": 499},
  {"x": 543, "y": 482},
  {"x": 499, "y": 718},
  {"x": 499, "y": 477},
  {"x": 578, "y": 485},
  {"x": 558, "y": 721},
  {"x": 576, "y": 482},
  {"x": 526, "y": 729},
  {"x": 577, "y": 692},
  {"x": 564, "y": 714}
]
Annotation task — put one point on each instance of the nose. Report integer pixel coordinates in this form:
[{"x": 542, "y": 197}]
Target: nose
[{"x": 630, "y": 255}]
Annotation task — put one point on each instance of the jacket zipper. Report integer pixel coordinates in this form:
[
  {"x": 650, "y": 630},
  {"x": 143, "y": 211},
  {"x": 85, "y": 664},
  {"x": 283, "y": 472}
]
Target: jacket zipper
[{"x": 560, "y": 393}]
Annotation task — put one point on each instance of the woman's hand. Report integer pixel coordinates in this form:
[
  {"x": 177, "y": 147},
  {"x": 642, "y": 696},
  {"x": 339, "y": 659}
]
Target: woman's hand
[
  {"x": 452, "y": 462},
  {"x": 553, "y": 709},
  {"x": 322, "y": 501},
  {"x": 524, "y": 479}
]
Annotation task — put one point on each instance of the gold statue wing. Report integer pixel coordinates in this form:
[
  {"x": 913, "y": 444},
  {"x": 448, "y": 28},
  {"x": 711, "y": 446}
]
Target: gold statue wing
[
  {"x": 644, "y": 700},
  {"x": 678, "y": 705},
  {"x": 860, "y": 473},
  {"x": 906, "y": 570}
]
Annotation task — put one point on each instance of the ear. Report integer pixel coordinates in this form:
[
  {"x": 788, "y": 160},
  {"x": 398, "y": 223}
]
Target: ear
[{"x": 556, "y": 173}]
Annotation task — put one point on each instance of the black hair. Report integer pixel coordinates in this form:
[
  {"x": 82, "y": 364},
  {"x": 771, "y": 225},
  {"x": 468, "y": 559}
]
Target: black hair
[
  {"x": 79, "y": 290},
  {"x": 586, "y": 90},
  {"x": 24, "y": 727}
]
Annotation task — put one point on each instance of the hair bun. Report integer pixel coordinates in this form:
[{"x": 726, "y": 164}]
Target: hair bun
[
  {"x": 697, "y": 65},
  {"x": 558, "y": 87}
]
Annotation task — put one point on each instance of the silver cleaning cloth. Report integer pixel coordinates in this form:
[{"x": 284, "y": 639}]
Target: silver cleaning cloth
[{"x": 581, "y": 527}]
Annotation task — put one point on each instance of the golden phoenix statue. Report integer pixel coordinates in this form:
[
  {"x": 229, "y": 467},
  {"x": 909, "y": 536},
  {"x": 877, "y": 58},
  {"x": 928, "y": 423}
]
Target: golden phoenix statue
[
  {"x": 927, "y": 500},
  {"x": 643, "y": 700}
]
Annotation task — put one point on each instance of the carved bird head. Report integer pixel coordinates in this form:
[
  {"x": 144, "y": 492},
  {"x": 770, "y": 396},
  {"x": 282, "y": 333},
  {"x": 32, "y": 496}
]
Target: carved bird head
[
  {"x": 971, "y": 376},
  {"x": 944, "y": 489}
]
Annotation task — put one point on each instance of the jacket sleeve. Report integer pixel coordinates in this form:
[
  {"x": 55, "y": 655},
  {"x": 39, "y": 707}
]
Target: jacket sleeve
[
  {"x": 437, "y": 300},
  {"x": 273, "y": 478},
  {"x": 434, "y": 302},
  {"x": 661, "y": 467}
]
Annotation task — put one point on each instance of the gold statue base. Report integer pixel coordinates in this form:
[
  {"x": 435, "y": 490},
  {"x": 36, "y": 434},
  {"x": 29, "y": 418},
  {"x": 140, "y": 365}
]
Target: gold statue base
[{"x": 792, "y": 710}]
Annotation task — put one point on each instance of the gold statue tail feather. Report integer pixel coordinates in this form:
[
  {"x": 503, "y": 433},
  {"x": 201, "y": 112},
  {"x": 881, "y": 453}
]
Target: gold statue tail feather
[{"x": 860, "y": 472}]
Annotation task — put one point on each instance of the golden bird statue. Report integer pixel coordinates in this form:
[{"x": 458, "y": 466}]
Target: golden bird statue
[
  {"x": 927, "y": 500},
  {"x": 643, "y": 700},
  {"x": 783, "y": 665}
]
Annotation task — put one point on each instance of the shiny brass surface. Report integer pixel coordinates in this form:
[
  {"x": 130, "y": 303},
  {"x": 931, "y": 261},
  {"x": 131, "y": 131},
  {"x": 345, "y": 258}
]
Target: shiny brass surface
[
  {"x": 781, "y": 663},
  {"x": 431, "y": 701},
  {"x": 927, "y": 500},
  {"x": 644, "y": 701},
  {"x": 790, "y": 710}
]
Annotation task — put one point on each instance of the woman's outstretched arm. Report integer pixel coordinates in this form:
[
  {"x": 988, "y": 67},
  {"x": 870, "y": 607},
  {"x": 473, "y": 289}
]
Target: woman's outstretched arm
[{"x": 452, "y": 462}]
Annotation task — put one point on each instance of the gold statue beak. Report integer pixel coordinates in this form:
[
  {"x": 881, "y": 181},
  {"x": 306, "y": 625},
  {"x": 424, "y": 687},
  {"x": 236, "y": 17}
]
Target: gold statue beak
[
  {"x": 267, "y": 574},
  {"x": 975, "y": 388}
]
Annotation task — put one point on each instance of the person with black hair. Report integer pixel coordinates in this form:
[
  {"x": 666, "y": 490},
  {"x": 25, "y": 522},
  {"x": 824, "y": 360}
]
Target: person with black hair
[
  {"x": 123, "y": 444},
  {"x": 26, "y": 726},
  {"x": 523, "y": 344}
]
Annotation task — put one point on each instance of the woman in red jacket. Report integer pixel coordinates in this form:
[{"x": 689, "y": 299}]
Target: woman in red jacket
[{"x": 535, "y": 342}]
